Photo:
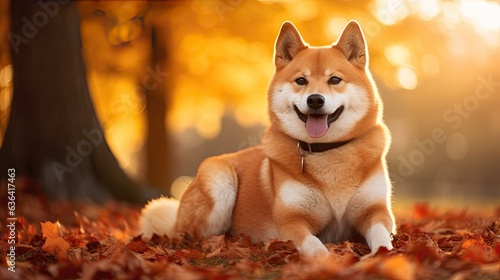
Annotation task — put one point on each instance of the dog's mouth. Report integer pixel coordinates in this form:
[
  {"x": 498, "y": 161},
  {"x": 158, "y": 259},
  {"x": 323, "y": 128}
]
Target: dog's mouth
[{"x": 318, "y": 124}]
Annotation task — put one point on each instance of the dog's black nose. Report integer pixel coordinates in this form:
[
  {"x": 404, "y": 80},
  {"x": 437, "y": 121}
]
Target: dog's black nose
[{"x": 315, "y": 101}]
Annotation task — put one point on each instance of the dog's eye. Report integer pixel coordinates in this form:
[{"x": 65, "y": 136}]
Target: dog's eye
[
  {"x": 334, "y": 80},
  {"x": 301, "y": 81}
]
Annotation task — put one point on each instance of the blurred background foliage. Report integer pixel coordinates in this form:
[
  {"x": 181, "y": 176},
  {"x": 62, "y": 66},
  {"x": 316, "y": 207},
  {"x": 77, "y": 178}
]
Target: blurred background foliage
[{"x": 436, "y": 63}]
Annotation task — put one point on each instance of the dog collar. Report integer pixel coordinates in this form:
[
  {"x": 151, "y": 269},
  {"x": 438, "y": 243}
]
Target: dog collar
[
  {"x": 304, "y": 147},
  {"x": 321, "y": 147}
]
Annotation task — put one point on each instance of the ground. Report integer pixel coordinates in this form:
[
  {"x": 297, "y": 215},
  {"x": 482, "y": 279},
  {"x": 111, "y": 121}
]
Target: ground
[{"x": 62, "y": 240}]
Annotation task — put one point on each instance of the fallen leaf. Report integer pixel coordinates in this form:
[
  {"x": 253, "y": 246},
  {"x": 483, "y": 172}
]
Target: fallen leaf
[
  {"x": 50, "y": 229},
  {"x": 137, "y": 246},
  {"x": 421, "y": 210},
  {"x": 54, "y": 243},
  {"x": 57, "y": 246},
  {"x": 398, "y": 267},
  {"x": 101, "y": 242}
]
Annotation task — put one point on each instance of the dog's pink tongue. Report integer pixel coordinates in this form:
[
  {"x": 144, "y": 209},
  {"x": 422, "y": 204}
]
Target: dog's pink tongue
[{"x": 316, "y": 125}]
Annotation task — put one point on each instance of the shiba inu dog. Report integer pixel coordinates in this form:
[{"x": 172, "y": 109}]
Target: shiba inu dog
[{"x": 319, "y": 175}]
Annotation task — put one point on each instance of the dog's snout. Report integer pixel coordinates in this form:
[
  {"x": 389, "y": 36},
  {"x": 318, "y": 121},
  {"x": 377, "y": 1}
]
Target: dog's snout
[{"x": 315, "y": 101}]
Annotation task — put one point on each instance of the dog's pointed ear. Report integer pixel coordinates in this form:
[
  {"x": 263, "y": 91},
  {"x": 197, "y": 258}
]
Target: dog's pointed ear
[
  {"x": 288, "y": 44},
  {"x": 352, "y": 44}
]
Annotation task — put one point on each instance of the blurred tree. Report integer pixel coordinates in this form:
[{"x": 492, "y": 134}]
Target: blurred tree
[
  {"x": 53, "y": 134},
  {"x": 157, "y": 152},
  {"x": 126, "y": 57}
]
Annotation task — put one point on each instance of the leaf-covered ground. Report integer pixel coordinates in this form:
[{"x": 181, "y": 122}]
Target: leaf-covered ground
[{"x": 87, "y": 241}]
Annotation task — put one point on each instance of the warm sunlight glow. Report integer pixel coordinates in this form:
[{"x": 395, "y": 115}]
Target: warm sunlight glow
[
  {"x": 5, "y": 87},
  {"x": 428, "y": 9},
  {"x": 334, "y": 27},
  {"x": 484, "y": 15},
  {"x": 121, "y": 105},
  {"x": 390, "y": 12},
  {"x": 175, "y": 82},
  {"x": 251, "y": 114},
  {"x": 209, "y": 115},
  {"x": 451, "y": 15},
  {"x": 6, "y": 76},
  {"x": 430, "y": 64},
  {"x": 304, "y": 10},
  {"x": 407, "y": 78},
  {"x": 204, "y": 111},
  {"x": 398, "y": 55}
]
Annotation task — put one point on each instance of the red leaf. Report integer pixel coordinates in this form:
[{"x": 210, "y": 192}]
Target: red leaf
[
  {"x": 424, "y": 249},
  {"x": 476, "y": 250},
  {"x": 497, "y": 250},
  {"x": 280, "y": 246},
  {"x": 137, "y": 246},
  {"x": 421, "y": 210}
]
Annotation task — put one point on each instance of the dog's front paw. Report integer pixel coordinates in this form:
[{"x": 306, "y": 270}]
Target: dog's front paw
[
  {"x": 312, "y": 246},
  {"x": 378, "y": 236}
]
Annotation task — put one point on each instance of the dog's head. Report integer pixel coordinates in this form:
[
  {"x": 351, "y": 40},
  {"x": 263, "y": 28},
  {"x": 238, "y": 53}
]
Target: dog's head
[{"x": 323, "y": 94}]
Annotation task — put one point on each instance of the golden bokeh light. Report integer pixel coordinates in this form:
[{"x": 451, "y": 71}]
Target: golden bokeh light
[
  {"x": 428, "y": 9},
  {"x": 334, "y": 27},
  {"x": 483, "y": 15},
  {"x": 303, "y": 10},
  {"x": 407, "y": 78},
  {"x": 398, "y": 55},
  {"x": 220, "y": 73},
  {"x": 390, "y": 12}
]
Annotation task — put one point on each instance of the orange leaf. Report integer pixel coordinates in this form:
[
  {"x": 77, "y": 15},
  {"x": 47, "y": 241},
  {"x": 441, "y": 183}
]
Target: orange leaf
[
  {"x": 57, "y": 246},
  {"x": 421, "y": 210},
  {"x": 50, "y": 229},
  {"x": 398, "y": 267}
]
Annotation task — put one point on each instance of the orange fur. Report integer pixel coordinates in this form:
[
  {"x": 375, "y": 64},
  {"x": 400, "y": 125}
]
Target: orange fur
[{"x": 342, "y": 192}]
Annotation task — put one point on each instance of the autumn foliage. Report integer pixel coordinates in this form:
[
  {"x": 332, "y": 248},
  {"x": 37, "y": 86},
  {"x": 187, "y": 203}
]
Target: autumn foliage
[{"x": 101, "y": 242}]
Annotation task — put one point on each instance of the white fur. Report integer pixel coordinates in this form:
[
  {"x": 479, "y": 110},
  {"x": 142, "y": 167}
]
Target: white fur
[
  {"x": 356, "y": 102},
  {"x": 158, "y": 217},
  {"x": 378, "y": 236},
  {"x": 295, "y": 194},
  {"x": 312, "y": 246},
  {"x": 354, "y": 99},
  {"x": 376, "y": 187},
  {"x": 223, "y": 188}
]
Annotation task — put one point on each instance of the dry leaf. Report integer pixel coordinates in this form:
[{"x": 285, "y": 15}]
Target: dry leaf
[
  {"x": 398, "y": 267},
  {"x": 54, "y": 243},
  {"x": 50, "y": 229},
  {"x": 57, "y": 246},
  {"x": 436, "y": 245}
]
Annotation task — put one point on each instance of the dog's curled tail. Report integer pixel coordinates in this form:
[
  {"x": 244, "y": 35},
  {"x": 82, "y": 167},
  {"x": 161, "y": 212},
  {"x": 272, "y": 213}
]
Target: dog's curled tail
[{"x": 158, "y": 216}]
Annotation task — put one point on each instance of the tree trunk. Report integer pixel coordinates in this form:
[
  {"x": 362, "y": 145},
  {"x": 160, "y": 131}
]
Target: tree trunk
[
  {"x": 53, "y": 134},
  {"x": 157, "y": 152}
]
